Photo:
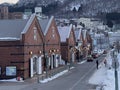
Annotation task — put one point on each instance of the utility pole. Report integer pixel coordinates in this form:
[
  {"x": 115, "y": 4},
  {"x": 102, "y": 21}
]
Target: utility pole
[
  {"x": 115, "y": 66},
  {"x": 45, "y": 59}
]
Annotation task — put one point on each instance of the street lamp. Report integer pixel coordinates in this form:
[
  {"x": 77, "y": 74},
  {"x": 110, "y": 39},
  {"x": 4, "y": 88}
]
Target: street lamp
[
  {"x": 70, "y": 49},
  {"x": 45, "y": 58},
  {"x": 116, "y": 66}
]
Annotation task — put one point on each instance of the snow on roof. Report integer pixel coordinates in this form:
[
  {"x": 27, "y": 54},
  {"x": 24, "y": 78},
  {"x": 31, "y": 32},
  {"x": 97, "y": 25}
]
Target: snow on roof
[
  {"x": 84, "y": 34},
  {"x": 9, "y": 39},
  {"x": 45, "y": 24},
  {"x": 64, "y": 32},
  {"x": 78, "y": 34},
  {"x": 48, "y": 25},
  {"x": 28, "y": 24},
  {"x": 11, "y": 28}
]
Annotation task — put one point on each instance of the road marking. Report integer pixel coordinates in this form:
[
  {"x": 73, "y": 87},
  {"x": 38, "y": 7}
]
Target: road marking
[{"x": 81, "y": 78}]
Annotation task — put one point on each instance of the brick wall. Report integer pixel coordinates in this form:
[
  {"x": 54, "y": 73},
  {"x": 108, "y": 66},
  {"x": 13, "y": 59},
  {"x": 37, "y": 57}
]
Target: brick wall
[
  {"x": 52, "y": 39},
  {"x": 11, "y": 54},
  {"x": 32, "y": 45},
  {"x": 17, "y": 53}
]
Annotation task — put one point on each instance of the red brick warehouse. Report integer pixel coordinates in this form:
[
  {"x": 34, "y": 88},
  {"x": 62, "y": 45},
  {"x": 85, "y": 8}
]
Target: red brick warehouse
[{"x": 21, "y": 47}]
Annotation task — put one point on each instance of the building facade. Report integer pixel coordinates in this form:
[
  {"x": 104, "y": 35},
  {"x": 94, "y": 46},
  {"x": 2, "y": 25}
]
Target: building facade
[
  {"x": 67, "y": 43},
  {"x": 21, "y": 47},
  {"x": 51, "y": 43}
]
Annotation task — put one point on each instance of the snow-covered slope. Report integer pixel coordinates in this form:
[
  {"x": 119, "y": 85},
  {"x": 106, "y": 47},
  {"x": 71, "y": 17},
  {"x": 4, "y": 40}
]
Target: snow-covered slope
[
  {"x": 43, "y": 2},
  {"x": 89, "y": 7}
]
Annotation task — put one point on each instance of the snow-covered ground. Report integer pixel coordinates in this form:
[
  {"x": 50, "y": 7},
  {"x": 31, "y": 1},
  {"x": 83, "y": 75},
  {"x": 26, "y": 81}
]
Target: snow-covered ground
[
  {"x": 53, "y": 77},
  {"x": 59, "y": 74},
  {"x": 104, "y": 76},
  {"x": 12, "y": 80}
]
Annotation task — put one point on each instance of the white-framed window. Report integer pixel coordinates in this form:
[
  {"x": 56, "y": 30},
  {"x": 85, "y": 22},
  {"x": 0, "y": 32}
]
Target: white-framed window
[
  {"x": 53, "y": 32},
  {"x": 11, "y": 71},
  {"x": 35, "y": 33}
]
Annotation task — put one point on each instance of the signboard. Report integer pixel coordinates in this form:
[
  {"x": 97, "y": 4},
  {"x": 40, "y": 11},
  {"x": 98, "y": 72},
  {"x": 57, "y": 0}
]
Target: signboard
[{"x": 11, "y": 71}]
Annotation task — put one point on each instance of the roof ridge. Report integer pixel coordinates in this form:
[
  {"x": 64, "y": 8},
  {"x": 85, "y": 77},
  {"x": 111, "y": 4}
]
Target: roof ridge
[
  {"x": 70, "y": 28},
  {"x": 48, "y": 25},
  {"x": 28, "y": 24}
]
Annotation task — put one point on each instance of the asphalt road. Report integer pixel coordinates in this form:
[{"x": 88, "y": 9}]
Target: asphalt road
[{"x": 75, "y": 79}]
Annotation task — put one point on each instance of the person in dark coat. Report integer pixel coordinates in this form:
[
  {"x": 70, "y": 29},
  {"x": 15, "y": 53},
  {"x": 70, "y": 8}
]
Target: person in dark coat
[
  {"x": 97, "y": 63},
  {"x": 105, "y": 62}
]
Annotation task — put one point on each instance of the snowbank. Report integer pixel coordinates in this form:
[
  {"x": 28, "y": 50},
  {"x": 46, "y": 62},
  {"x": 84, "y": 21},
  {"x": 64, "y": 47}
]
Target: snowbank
[
  {"x": 82, "y": 62},
  {"x": 11, "y": 80},
  {"x": 53, "y": 77},
  {"x": 98, "y": 77},
  {"x": 104, "y": 76}
]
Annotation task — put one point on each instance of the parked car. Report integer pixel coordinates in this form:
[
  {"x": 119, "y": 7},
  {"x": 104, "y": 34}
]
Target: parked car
[
  {"x": 89, "y": 58},
  {"x": 104, "y": 52},
  {"x": 95, "y": 55}
]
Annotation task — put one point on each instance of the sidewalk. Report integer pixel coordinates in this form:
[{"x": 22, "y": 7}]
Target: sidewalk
[
  {"x": 37, "y": 78},
  {"x": 45, "y": 75}
]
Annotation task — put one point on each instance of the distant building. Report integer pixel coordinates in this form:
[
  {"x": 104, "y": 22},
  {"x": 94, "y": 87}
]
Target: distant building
[
  {"x": 5, "y": 14},
  {"x": 113, "y": 37},
  {"x": 27, "y": 13},
  {"x": 38, "y": 11},
  {"x": 21, "y": 48},
  {"x": 100, "y": 41},
  {"x": 16, "y": 15},
  {"x": 39, "y": 14},
  {"x": 68, "y": 43}
]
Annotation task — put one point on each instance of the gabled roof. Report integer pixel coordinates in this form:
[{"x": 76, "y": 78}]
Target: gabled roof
[
  {"x": 64, "y": 32},
  {"x": 28, "y": 23},
  {"x": 45, "y": 24},
  {"x": 78, "y": 34},
  {"x": 12, "y": 29}
]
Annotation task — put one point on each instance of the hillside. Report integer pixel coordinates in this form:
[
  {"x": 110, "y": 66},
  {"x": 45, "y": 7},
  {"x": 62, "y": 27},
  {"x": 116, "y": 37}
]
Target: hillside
[{"x": 75, "y": 7}]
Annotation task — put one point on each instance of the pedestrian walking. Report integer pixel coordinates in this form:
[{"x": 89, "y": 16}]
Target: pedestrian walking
[
  {"x": 105, "y": 62},
  {"x": 97, "y": 63}
]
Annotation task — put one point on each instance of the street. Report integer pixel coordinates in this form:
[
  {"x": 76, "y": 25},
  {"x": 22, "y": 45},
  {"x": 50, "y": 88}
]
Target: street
[{"x": 75, "y": 79}]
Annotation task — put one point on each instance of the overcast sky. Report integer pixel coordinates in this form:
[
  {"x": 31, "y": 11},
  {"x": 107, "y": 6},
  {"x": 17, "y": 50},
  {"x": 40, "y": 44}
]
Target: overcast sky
[{"x": 9, "y": 1}]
